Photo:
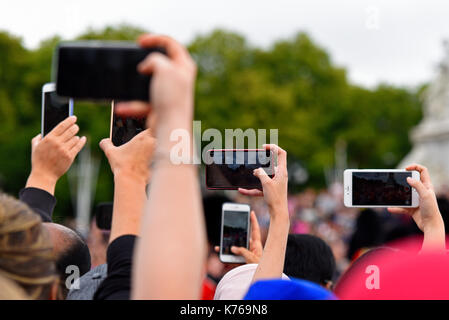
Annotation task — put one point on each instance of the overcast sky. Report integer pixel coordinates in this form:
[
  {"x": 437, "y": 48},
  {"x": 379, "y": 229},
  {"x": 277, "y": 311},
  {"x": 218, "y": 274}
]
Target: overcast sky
[{"x": 394, "y": 41}]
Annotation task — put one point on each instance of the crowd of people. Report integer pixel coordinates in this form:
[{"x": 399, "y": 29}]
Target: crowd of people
[{"x": 302, "y": 246}]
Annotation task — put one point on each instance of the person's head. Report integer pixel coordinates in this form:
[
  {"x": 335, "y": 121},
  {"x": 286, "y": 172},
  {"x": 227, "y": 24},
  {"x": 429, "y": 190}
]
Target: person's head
[
  {"x": 235, "y": 283},
  {"x": 391, "y": 274},
  {"x": 26, "y": 250},
  {"x": 367, "y": 234},
  {"x": 310, "y": 258},
  {"x": 69, "y": 249}
]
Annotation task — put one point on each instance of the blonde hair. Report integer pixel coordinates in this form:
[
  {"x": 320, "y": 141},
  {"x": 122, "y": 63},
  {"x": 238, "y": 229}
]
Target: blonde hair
[
  {"x": 25, "y": 249},
  {"x": 11, "y": 291}
]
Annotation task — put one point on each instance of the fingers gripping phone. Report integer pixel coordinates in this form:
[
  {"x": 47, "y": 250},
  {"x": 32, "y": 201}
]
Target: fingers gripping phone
[
  {"x": 124, "y": 129},
  {"x": 101, "y": 70},
  {"x": 235, "y": 224},
  {"x": 54, "y": 108},
  {"x": 380, "y": 188},
  {"x": 229, "y": 169}
]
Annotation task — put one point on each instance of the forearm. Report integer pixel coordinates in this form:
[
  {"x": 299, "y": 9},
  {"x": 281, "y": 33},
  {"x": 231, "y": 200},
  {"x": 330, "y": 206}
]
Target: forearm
[
  {"x": 434, "y": 236},
  {"x": 271, "y": 264},
  {"x": 129, "y": 202},
  {"x": 173, "y": 228},
  {"x": 172, "y": 236}
]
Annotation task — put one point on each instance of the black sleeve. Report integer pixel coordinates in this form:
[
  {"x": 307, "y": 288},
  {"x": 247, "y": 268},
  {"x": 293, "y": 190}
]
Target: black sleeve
[
  {"x": 40, "y": 201},
  {"x": 117, "y": 285}
]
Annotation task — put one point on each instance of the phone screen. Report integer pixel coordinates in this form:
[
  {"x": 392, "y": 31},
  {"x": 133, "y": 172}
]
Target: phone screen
[
  {"x": 56, "y": 109},
  {"x": 102, "y": 70},
  {"x": 103, "y": 215},
  {"x": 235, "y": 230},
  {"x": 381, "y": 189},
  {"x": 232, "y": 169},
  {"x": 125, "y": 128}
]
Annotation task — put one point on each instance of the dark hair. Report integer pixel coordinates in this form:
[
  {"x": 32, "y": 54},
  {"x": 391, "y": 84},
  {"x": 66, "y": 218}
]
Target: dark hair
[
  {"x": 212, "y": 213},
  {"x": 368, "y": 232},
  {"x": 76, "y": 253},
  {"x": 310, "y": 258}
]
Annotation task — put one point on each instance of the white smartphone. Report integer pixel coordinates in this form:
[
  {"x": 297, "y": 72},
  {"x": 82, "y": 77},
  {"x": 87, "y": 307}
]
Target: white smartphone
[
  {"x": 54, "y": 108},
  {"x": 124, "y": 129},
  {"x": 234, "y": 230},
  {"x": 374, "y": 188}
]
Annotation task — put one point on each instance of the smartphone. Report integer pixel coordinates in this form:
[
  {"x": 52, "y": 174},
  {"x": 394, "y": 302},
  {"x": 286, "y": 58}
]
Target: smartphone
[
  {"x": 380, "y": 188},
  {"x": 103, "y": 215},
  {"x": 54, "y": 108},
  {"x": 101, "y": 70},
  {"x": 124, "y": 129},
  {"x": 229, "y": 169},
  {"x": 235, "y": 225}
]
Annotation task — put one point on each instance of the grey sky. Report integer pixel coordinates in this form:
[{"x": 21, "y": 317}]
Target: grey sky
[{"x": 394, "y": 41}]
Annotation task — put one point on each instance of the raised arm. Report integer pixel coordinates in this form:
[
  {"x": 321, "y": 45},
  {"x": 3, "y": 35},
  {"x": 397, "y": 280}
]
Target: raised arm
[
  {"x": 130, "y": 166},
  {"x": 51, "y": 157},
  {"x": 271, "y": 264},
  {"x": 173, "y": 231}
]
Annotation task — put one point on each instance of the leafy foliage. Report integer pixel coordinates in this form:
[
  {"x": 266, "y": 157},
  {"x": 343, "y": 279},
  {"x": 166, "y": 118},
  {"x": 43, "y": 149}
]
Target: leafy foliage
[{"x": 292, "y": 86}]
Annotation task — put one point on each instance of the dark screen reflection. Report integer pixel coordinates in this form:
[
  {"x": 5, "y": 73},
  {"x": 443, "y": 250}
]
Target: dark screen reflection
[
  {"x": 234, "y": 169},
  {"x": 124, "y": 129},
  {"x": 56, "y": 110},
  {"x": 235, "y": 227},
  {"x": 381, "y": 188}
]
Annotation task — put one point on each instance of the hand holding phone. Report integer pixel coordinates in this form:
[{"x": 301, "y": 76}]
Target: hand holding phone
[
  {"x": 131, "y": 159},
  {"x": 380, "y": 188},
  {"x": 53, "y": 155},
  {"x": 234, "y": 168},
  {"x": 255, "y": 244},
  {"x": 234, "y": 231},
  {"x": 124, "y": 128}
]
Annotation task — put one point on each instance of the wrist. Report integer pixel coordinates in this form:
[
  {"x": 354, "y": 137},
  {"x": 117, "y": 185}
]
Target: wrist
[
  {"x": 434, "y": 225},
  {"x": 130, "y": 176},
  {"x": 42, "y": 181},
  {"x": 280, "y": 216}
]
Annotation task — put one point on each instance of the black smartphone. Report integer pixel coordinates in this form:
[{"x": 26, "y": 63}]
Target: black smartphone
[
  {"x": 123, "y": 128},
  {"x": 233, "y": 169},
  {"x": 101, "y": 70},
  {"x": 103, "y": 215},
  {"x": 54, "y": 108}
]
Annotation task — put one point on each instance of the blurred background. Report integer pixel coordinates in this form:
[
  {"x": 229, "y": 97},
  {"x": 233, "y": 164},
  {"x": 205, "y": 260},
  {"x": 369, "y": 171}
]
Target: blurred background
[{"x": 342, "y": 81}]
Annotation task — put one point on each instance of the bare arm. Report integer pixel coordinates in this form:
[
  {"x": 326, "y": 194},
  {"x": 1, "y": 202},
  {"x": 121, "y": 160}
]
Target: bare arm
[
  {"x": 271, "y": 263},
  {"x": 173, "y": 232},
  {"x": 130, "y": 165}
]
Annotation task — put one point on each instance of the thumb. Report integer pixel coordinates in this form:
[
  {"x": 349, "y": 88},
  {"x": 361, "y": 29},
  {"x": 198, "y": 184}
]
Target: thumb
[
  {"x": 106, "y": 144},
  {"x": 262, "y": 175},
  {"x": 35, "y": 141},
  {"x": 152, "y": 62},
  {"x": 418, "y": 185},
  {"x": 241, "y": 251}
]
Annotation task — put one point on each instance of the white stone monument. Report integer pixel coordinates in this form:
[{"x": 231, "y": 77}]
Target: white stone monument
[{"x": 431, "y": 137}]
